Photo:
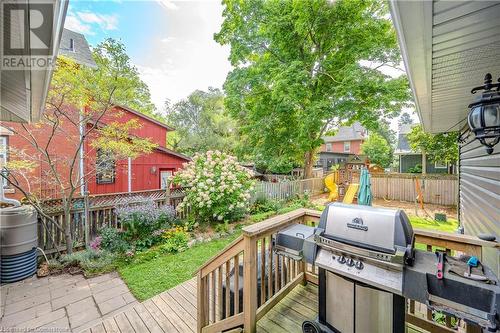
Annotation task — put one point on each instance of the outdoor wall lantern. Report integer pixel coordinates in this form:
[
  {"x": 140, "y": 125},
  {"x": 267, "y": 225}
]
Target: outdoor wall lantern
[{"x": 484, "y": 115}]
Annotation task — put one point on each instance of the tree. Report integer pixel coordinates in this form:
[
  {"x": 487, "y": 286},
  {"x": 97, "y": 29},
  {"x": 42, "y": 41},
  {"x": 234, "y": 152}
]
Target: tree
[
  {"x": 442, "y": 147},
  {"x": 79, "y": 99},
  {"x": 302, "y": 67},
  {"x": 201, "y": 123},
  {"x": 378, "y": 150},
  {"x": 405, "y": 119}
]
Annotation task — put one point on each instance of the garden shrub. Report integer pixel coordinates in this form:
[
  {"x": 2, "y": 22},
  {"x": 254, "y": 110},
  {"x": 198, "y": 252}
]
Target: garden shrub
[
  {"x": 176, "y": 240},
  {"x": 264, "y": 205},
  {"x": 90, "y": 261},
  {"x": 217, "y": 187},
  {"x": 113, "y": 240}
]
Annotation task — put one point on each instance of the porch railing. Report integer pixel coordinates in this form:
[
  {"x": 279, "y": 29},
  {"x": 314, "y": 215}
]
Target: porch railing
[{"x": 268, "y": 277}]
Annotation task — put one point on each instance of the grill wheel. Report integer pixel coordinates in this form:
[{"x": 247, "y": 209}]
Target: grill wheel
[{"x": 310, "y": 327}]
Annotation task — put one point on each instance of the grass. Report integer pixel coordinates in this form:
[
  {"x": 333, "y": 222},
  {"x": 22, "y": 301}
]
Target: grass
[
  {"x": 165, "y": 271},
  {"x": 450, "y": 225}
]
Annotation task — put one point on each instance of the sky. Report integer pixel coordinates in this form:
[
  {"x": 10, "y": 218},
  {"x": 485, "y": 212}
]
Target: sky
[{"x": 170, "y": 42}]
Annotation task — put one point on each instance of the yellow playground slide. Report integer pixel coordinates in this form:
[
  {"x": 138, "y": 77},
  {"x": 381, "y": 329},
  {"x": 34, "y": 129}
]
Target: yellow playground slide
[
  {"x": 351, "y": 192},
  {"x": 331, "y": 184}
]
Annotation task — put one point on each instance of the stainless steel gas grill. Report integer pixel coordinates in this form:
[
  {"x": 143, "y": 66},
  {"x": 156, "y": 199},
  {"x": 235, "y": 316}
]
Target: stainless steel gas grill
[
  {"x": 368, "y": 266},
  {"x": 361, "y": 256}
]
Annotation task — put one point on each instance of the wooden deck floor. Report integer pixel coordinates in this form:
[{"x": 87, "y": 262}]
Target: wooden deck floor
[{"x": 174, "y": 311}]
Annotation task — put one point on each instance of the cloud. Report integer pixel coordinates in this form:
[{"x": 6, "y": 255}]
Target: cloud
[
  {"x": 105, "y": 22},
  {"x": 74, "y": 24},
  {"x": 168, "y": 4}
]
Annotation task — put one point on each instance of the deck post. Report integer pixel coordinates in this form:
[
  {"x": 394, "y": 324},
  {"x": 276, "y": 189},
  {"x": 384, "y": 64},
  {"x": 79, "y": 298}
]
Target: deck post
[
  {"x": 250, "y": 284},
  {"x": 202, "y": 300}
]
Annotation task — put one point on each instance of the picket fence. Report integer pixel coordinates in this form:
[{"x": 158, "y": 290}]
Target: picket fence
[{"x": 288, "y": 189}]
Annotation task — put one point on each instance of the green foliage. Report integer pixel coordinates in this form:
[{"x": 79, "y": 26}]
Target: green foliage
[
  {"x": 175, "y": 241},
  {"x": 405, "y": 119},
  {"x": 201, "y": 123},
  {"x": 264, "y": 205},
  {"x": 217, "y": 187},
  {"x": 301, "y": 67},
  {"x": 112, "y": 240},
  {"x": 377, "y": 150},
  {"x": 415, "y": 169},
  {"x": 90, "y": 261},
  {"x": 442, "y": 147}
]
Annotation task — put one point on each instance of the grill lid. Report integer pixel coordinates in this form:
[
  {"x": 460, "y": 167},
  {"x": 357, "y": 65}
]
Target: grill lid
[{"x": 379, "y": 229}]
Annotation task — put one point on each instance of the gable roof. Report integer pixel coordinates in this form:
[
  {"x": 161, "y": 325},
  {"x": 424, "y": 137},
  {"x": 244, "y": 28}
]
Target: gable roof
[
  {"x": 80, "y": 52},
  {"x": 142, "y": 115},
  {"x": 348, "y": 133},
  {"x": 403, "y": 144},
  {"x": 171, "y": 152}
]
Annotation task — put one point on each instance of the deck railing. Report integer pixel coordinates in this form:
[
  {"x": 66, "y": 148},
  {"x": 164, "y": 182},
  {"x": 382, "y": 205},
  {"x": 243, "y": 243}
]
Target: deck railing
[{"x": 268, "y": 277}]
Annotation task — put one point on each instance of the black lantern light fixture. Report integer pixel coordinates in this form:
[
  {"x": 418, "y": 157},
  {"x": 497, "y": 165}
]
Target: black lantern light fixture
[{"x": 484, "y": 115}]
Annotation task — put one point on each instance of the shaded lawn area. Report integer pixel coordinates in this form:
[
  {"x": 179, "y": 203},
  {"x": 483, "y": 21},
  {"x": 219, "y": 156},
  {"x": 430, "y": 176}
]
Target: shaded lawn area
[{"x": 149, "y": 278}]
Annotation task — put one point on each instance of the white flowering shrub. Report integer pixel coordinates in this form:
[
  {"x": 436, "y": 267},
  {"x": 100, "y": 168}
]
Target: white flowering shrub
[{"x": 217, "y": 187}]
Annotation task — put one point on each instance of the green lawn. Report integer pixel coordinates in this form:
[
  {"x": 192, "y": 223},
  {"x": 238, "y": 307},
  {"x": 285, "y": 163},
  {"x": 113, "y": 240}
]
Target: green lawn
[
  {"x": 151, "y": 277},
  {"x": 450, "y": 225}
]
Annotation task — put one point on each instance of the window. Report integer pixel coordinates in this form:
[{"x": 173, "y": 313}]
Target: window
[
  {"x": 72, "y": 45},
  {"x": 347, "y": 146},
  {"x": 105, "y": 168},
  {"x": 3, "y": 157},
  {"x": 328, "y": 147},
  {"x": 440, "y": 165},
  {"x": 164, "y": 175}
]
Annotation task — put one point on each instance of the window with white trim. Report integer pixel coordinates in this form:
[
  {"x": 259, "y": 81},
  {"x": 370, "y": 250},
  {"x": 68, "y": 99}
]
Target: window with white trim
[
  {"x": 347, "y": 146},
  {"x": 328, "y": 147},
  {"x": 105, "y": 167},
  {"x": 440, "y": 165}
]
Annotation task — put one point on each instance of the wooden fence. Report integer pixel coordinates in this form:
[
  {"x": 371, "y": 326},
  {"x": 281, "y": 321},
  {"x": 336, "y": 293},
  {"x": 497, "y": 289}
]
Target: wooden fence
[
  {"x": 439, "y": 190},
  {"x": 288, "y": 189},
  {"x": 100, "y": 213}
]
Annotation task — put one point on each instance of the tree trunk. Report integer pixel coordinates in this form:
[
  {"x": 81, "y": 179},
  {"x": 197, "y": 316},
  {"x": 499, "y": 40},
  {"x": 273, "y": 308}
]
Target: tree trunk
[
  {"x": 424, "y": 163},
  {"x": 67, "y": 228},
  {"x": 308, "y": 164}
]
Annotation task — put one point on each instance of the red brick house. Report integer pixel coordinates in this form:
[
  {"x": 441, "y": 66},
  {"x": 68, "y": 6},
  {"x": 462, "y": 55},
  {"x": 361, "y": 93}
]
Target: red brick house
[{"x": 346, "y": 142}]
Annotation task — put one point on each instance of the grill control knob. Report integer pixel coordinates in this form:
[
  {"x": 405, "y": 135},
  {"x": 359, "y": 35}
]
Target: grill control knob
[
  {"x": 350, "y": 262},
  {"x": 359, "y": 265},
  {"x": 341, "y": 259}
]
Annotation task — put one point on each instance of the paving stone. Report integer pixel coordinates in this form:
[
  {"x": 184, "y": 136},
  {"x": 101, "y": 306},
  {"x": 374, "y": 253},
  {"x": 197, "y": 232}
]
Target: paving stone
[
  {"x": 71, "y": 298},
  {"x": 112, "y": 304},
  {"x": 68, "y": 289},
  {"x": 111, "y": 283},
  {"x": 25, "y": 315},
  {"x": 83, "y": 317},
  {"x": 110, "y": 293},
  {"x": 83, "y": 305},
  {"x": 46, "y": 319},
  {"x": 26, "y": 304},
  {"x": 102, "y": 278},
  {"x": 25, "y": 293},
  {"x": 60, "y": 325},
  {"x": 65, "y": 280},
  {"x": 128, "y": 297}
]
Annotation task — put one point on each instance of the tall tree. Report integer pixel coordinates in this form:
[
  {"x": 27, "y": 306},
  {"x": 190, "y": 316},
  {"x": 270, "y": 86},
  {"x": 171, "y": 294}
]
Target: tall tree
[
  {"x": 79, "y": 98},
  {"x": 201, "y": 123},
  {"x": 442, "y": 147},
  {"x": 378, "y": 150},
  {"x": 303, "y": 66}
]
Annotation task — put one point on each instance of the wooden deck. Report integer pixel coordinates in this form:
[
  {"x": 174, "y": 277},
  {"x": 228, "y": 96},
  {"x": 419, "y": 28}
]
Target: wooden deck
[{"x": 175, "y": 311}]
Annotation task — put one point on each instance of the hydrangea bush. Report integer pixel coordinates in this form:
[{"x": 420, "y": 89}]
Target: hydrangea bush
[{"x": 217, "y": 187}]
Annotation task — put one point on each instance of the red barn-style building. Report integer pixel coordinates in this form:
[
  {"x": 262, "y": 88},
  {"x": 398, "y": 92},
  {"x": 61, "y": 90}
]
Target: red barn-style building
[{"x": 147, "y": 172}]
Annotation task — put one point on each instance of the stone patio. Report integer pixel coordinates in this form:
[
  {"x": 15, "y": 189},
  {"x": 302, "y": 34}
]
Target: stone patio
[{"x": 63, "y": 303}]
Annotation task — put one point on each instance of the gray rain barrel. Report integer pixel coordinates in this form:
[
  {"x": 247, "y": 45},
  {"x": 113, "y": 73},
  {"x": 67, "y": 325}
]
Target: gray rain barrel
[{"x": 18, "y": 242}]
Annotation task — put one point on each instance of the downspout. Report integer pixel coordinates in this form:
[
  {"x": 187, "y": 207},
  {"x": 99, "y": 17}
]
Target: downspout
[
  {"x": 129, "y": 175},
  {"x": 82, "y": 155}
]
